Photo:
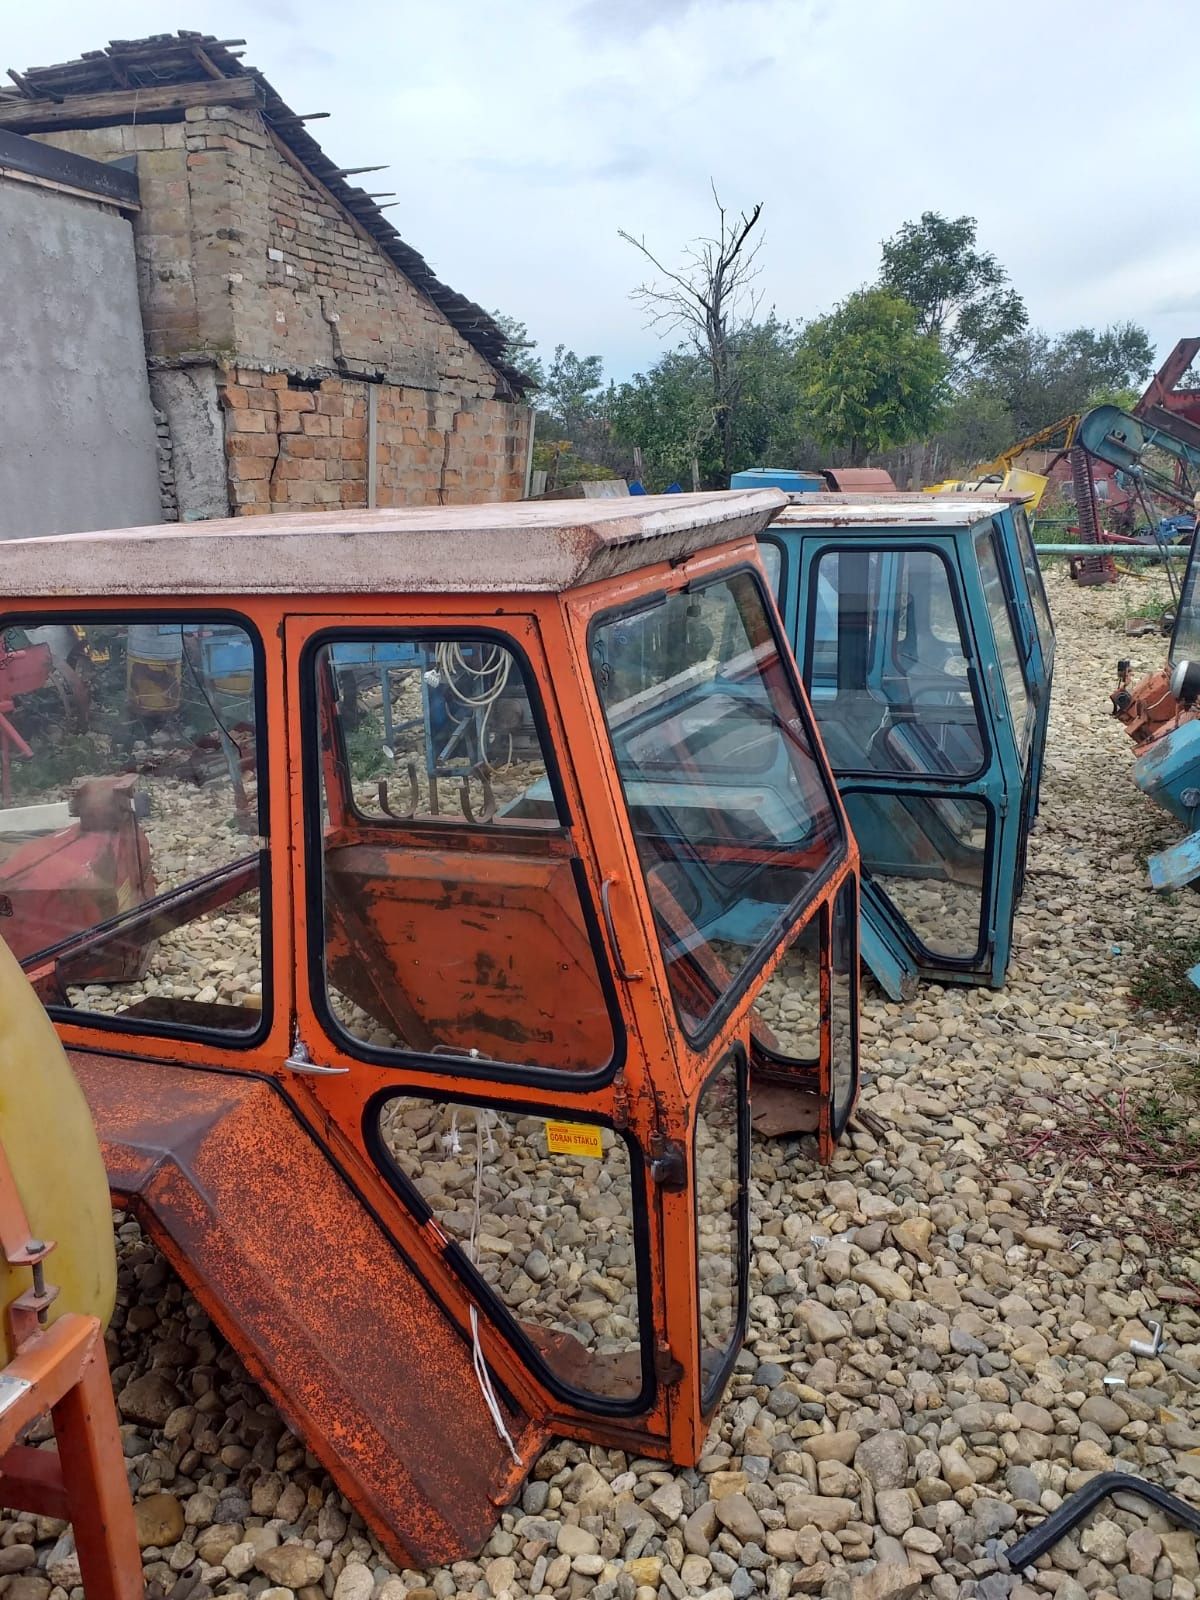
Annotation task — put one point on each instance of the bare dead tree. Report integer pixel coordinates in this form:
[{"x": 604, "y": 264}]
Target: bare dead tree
[{"x": 709, "y": 299}]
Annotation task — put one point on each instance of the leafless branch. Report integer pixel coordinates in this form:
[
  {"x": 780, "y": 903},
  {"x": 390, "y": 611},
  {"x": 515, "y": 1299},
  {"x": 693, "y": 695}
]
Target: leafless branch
[{"x": 708, "y": 299}]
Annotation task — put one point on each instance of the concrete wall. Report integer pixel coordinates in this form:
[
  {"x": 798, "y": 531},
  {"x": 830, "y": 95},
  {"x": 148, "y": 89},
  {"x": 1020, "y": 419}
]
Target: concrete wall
[{"x": 78, "y": 446}]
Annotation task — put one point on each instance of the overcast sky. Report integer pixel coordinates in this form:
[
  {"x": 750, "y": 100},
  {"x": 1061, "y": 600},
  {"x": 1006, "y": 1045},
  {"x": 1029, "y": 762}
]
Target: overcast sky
[{"x": 521, "y": 134}]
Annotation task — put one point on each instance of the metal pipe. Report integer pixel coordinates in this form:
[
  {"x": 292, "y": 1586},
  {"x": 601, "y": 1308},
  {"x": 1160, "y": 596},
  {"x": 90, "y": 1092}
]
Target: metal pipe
[{"x": 1141, "y": 552}]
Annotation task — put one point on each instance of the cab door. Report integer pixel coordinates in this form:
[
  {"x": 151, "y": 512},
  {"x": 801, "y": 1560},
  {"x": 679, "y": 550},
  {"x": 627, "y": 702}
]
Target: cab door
[{"x": 900, "y": 665}]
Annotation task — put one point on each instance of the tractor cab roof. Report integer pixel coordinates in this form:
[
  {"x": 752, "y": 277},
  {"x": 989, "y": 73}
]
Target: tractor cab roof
[
  {"x": 889, "y": 510},
  {"x": 527, "y": 546}
]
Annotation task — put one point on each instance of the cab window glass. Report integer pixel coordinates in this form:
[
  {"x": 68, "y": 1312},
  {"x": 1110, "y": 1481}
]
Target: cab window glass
[
  {"x": 889, "y": 666},
  {"x": 721, "y": 1203},
  {"x": 1033, "y": 578},
  {"x": 771, "y": 556},
  {"x": 453, "y": 921},
  {"x": 843, "y": 1005},
  {"x": 1003, "y": 630},
  {"x": 131, "y": 860},
  {"x": 786, "y": 1016},
  {"x": 1185, "y": 640},
  {"x": 929, "y": 857},
  {"x": 730, "y": 812},
  {"x": 544, "y": 1210}
]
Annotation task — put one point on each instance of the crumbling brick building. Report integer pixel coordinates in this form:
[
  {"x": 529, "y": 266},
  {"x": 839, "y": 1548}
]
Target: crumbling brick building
[{"x": 302, "y": 353}]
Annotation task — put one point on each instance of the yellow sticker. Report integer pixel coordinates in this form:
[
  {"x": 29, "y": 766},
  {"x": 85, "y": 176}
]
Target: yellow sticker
[{"x": 573, "y": 1139}]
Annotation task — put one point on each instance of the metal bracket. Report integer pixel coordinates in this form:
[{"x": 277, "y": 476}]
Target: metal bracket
[{"x": 1151, "y": 1346}]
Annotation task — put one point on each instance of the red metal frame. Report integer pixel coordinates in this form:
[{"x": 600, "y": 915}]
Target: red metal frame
[{"x": 63, "y": 1369}]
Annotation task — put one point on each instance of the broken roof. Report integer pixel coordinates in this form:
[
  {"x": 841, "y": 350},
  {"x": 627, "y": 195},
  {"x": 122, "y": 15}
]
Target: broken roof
[
  {"x": 542, "y": 546},
  {"x": 164, "y": 59}
]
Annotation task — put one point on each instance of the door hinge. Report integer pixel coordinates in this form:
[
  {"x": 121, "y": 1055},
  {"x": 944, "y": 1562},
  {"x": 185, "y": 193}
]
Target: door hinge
[{"x": 668, "y": 1167}]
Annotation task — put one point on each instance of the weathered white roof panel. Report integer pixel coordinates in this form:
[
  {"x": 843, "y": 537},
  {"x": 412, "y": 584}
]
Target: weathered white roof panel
[
  {"x": 888, "y": 511},
  {"x": 526, "y": 546}
]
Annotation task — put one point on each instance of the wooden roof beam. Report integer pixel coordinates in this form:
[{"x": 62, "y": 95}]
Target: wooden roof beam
[{"x": 95, "y": 110}]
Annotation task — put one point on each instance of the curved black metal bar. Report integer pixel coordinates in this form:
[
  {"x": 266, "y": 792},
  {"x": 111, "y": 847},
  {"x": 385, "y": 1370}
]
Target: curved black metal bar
[{"x": 1079, "y": 1505}]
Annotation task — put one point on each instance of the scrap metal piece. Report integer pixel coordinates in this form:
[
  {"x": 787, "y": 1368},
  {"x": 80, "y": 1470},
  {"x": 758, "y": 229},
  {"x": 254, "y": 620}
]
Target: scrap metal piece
[
  {"x": 1076, "y": 1507},
  {"x": 1177, "y": 865},
  {"x": 1151, "y": 1346}
]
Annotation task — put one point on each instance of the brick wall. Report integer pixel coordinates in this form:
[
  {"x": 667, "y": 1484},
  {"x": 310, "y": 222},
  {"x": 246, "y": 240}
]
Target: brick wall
[
  {"x": 294, "y": 447},
  {"x": 244, "y": 259}
]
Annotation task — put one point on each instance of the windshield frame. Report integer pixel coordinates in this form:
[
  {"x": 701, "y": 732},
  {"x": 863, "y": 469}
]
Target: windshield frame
[{"x": 784, "y": 928}]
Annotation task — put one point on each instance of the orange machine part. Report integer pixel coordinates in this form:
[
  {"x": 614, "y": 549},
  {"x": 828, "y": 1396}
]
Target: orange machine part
[
  {"x": 63, "y": 1370},
  {"x": 1149, "y": 709}
]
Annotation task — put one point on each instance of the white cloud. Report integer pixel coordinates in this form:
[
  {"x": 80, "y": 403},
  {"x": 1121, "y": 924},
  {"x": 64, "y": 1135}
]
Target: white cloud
[{"x": 520, "y": 137}]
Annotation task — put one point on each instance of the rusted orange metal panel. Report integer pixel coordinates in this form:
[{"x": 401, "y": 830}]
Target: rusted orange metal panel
[{"x": 317, "y": 1299}]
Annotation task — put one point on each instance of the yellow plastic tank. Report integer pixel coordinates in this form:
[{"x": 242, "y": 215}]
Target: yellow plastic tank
[{"x": 48, "y": 1137}]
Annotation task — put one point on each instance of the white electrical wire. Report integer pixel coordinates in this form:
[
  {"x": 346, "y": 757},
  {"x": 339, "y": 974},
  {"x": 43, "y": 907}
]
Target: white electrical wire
[
  {"x": 483, "y": 1129},
  {"x": 496, "y": 666}
]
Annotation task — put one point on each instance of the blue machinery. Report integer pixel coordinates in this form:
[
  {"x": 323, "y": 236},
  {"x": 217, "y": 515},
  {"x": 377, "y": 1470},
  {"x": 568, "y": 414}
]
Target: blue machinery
[{"x": 922, "y": 630}]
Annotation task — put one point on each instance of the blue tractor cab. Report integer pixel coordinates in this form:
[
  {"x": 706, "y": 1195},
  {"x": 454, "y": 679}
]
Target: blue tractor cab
[{"x": 923, "y": 633}]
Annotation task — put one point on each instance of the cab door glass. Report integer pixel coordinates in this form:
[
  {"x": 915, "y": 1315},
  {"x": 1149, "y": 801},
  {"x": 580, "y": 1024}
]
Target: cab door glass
[
  {"x": 721, "y": 1183},
  {"x": 544, "y": 1212},
  {"x": 1007, "y": 649},
  {"x": 889, "y": 665},
  {"x": 929, "y": 856},
  {"x": 453, "y": 919}
]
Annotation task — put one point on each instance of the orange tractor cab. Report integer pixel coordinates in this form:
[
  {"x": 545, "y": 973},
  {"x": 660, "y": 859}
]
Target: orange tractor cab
[{"x": 482, "y": 857}]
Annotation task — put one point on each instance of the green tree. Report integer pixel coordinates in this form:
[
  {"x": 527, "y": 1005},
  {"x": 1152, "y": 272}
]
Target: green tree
[
  {"x": 1039, "y": 378},
  {"x": 869, "y": 377},
  {"x": 669, "y": 413},
  {"x": 572, "y": 391},
  {"x": 960, "y": 293},
  {"x": 520, "y": 349}
]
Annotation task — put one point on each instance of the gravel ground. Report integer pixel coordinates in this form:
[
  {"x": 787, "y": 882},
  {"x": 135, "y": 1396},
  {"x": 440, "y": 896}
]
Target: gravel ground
[{"x": 931, "y": 1324}]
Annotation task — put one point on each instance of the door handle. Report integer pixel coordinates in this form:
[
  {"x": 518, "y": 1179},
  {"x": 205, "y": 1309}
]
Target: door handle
[
  {"x": 606, "y": 906},
  {"x": 301, "y": 1061}
]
